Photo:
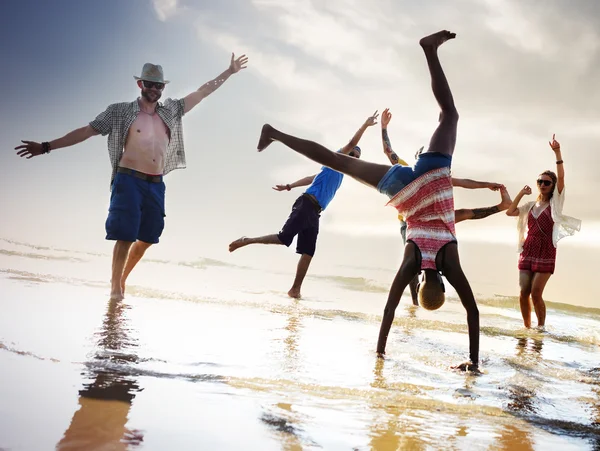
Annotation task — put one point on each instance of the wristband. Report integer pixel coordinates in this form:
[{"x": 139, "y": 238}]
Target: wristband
[
  {"x": 46, "y": 147},
  {"x": 288, "y": 187},
  {"x": 559, "y": 162}
]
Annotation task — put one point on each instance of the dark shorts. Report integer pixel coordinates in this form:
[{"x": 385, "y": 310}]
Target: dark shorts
[
  {"x": 304, "y": 222},
  {"x": 397, "y": 177},
  {"x": 137, "y": 209}
]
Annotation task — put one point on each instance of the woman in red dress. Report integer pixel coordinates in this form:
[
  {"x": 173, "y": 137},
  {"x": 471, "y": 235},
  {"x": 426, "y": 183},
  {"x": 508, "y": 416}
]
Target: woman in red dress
[{"x": 545, "y": 225}]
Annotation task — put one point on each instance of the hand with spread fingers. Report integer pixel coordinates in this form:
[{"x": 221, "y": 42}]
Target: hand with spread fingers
[
  {"x": 238, "y": 64},
  {"x": 386, "y": 117},
  {"x": 29, "y": 149}
]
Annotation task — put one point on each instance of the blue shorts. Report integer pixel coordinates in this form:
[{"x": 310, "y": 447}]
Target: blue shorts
[
  {"x": 137, "y": 209},
  {"x": 399, "y": 176},
  {"x": 304, "y": 222}
]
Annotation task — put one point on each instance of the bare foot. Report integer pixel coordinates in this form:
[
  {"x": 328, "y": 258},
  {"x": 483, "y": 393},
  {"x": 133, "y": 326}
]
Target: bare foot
[
  {"x": 506, "y": 200},
  {"x": 240, "y": 242},
  {"x": 294, "y": 293},
  {"x": 265, "y": 137},
  {"x": 433, "y": 41}
]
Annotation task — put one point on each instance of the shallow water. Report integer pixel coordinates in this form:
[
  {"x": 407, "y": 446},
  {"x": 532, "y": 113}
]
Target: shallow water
[{"x": 201, "y": 356}]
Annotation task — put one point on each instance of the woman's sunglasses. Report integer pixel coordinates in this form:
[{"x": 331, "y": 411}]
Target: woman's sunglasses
[
  {"x": 544, "y": 182},
  {"x": 153, "y": 84}
]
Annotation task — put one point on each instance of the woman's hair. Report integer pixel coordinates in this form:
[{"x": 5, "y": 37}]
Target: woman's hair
[{"x": 554, "y": 178}]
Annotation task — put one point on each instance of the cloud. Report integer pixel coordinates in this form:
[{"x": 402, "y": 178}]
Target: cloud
[
  {"x": 165, "y": 9},
  {"x": 519, "y": 72}
]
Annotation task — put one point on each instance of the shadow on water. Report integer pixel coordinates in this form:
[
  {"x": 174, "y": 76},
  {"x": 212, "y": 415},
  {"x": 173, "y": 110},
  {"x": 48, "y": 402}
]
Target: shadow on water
[{"x": 105, "y": 402}]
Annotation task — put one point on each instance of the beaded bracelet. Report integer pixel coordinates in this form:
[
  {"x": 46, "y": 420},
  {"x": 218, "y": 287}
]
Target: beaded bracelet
[{"x": 46, "y": 147}]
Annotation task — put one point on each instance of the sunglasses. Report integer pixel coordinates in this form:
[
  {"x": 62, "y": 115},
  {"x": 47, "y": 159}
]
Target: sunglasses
[
  {"x": 544, "y": 182},
  {"x": 153, "y": 84}
]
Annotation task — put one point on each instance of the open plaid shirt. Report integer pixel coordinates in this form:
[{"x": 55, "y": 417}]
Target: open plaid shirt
[{"x": 118, "y": 117}]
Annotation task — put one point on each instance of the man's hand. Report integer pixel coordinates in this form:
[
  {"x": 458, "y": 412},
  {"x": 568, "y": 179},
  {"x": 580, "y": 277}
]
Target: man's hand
[
  {"x": 495, "y": 186},
  {"x": 238, "y": 64},
  {"x": 554, "y": 144},
  {"x": 526, "y": 190},
  {"x": 372, "y": 120},
  {"x": 468, "y": 366},
  {"x": 29, "y": 149},
  {"x": 281, "y": 187},
  {"x": 386, "y": 117}
]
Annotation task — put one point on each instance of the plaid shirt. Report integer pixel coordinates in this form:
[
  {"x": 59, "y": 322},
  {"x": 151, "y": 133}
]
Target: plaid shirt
[{"x": 118, "y": 117}]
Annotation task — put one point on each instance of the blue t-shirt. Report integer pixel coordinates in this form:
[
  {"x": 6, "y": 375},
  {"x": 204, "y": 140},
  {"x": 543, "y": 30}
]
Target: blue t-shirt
[{"x": 325, "y": 185}]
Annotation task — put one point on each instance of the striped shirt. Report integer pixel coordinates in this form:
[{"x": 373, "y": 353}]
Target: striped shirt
[
  {"x": 427, "y": 203},
  {"x": 118, "y": 117}
]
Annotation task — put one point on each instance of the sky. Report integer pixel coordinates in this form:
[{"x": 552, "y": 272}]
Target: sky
[{"x": 519, "y": 70}]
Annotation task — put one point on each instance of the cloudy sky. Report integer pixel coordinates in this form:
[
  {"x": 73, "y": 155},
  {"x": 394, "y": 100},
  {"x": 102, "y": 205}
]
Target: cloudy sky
[{"x": 519, "y": 70}]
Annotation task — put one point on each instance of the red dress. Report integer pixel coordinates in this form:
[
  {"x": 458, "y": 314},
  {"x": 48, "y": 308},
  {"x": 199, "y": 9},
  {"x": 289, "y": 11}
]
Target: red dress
[{"x": 539, "y": 254}]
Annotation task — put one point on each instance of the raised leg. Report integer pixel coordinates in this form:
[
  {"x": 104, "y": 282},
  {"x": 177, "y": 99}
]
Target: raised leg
[
  {"x": 408, "y": 270},
  {"x": 245, "y": 241},
  {"x": 120, "y": 252},
  {"x": 136, "y": 252},
  {"x": 454, "y": 274},
  {"x": 538, "y": 283},
  {"x": 363, "y": 171},
  {"x": 444, "y": 138},
  {"x": 525, "y": 279},
  {"x": 301, "y": 271}
]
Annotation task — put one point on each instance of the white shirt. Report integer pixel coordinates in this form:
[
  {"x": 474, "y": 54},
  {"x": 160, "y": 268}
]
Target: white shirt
[{"x": 563, "y": 225}]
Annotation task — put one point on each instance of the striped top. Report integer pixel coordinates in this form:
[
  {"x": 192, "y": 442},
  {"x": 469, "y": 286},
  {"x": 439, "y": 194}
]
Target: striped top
[{"x": 427, "y": 203}]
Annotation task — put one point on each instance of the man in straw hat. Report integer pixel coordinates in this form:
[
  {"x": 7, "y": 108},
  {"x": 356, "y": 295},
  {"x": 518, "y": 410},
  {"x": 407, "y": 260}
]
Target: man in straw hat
[{"x": 145, "y": 142}]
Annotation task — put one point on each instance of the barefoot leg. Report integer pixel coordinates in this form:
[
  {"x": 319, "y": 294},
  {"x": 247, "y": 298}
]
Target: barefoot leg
[
  {"x": 136, "y": 253},
  {"x": 245, "y": 241},
  {"x": 538, "y": 283},
  {"x": 363, "y": 171},
  {"x": 408, "y": 270},
  {"x": 120, "y": 253},
  {"x": 525, "y": 278},
  {"x": 444, "y": 138},
  {"x": 301, "y": 271},
  {"x": 454, "y": 274}
]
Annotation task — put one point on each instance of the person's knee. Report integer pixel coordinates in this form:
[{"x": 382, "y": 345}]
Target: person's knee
[
  {"x": 449, "y": 115},
  {"x": 536, "y": 296},
  {"x": 525, "y": 290}
]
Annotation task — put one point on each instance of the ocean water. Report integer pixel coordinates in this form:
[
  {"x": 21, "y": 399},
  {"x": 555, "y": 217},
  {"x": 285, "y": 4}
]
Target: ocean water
[{"x": 204, "y": 354}]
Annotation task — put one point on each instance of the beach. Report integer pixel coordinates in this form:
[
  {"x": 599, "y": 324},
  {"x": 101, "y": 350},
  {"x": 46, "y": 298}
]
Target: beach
[{"x": 204, "y": 354}]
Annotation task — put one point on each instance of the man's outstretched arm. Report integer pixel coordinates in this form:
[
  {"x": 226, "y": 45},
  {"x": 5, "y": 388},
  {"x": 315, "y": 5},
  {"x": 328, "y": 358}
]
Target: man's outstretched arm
[
  {"x": 30, "y": 149},
  {"x": 302, "y": 182},
  {"x": 372, "y": 120},
  {"x": 193, "y": 99}
]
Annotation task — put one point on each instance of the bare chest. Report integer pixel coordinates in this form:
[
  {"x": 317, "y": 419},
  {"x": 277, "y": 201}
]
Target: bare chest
[{"x": 148, "y": 128}]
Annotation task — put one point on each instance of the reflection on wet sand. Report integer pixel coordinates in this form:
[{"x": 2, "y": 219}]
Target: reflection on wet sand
[
  {"x": 391, "y": 429},
  {"x": 522, "y": 399},
  {"x": 105, "y": 401}
]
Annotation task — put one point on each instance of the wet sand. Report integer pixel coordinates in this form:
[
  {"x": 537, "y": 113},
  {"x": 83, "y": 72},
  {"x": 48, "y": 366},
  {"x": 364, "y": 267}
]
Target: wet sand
[{"x": 225, "y": 364}]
